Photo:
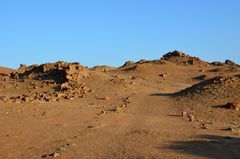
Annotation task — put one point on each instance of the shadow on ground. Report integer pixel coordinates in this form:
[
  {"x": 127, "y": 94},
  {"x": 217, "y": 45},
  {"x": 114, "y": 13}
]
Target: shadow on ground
[
  {"x": 210, "y": 146},
  {"x": 220, "y": 106},
  {"x": 163, "y": 94}
]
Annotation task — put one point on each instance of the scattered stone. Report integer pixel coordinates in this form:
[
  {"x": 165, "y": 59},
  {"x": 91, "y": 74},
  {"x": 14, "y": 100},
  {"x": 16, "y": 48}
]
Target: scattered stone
[
  {"x": 184, "y": 114},
  {"x": 4, "y": 98},
  {"x": 56, "y": 154},
  {"x": 132, "y": 83},
  {"x": 126, "y": 100},
  {"x": 191, "y": 117},
  {"x": 69, "y": 77},
  {"x": 44, "y": 113},
  {"x": 234, "y": 130},
  {"x": 102, "y": 112},
  {"x": 163, "y": 75},
  {"x": 104, "y": 98},
  {"x": 117, "y": 109},
  {"x": 201, "y": 70},
  {"x": 68, "y": 90},
  {"x": 120, "y": 108},
  {"x": 90, "y": 126},
  {"x": 92, "y": 91},
  {"x": 233, "y": 106},
  {"x": 25, "y": 98},
  {"x": 35, "y": 87},
  {"x": 64, "y": 86},
  {"x": 205, "y": 126},
  {"x": 133, "y": 77},
  {"x": 45, "y": 155}
]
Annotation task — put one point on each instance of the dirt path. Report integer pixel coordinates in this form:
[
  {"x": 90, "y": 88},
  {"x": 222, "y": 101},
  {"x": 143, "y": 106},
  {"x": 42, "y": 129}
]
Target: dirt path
[
  {"x": 146, "y": 129},
  {"x": 153, "y": 128}
]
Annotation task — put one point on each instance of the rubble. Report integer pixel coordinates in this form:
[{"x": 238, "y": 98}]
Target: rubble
[
  {"x": 63, "y": 78},
  {"x": 182, "y": 58},
  {"x": 60, "y": 72}
]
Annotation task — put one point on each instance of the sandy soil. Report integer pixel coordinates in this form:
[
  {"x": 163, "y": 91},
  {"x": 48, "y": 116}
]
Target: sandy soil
[{"x": 130, "y": 112}]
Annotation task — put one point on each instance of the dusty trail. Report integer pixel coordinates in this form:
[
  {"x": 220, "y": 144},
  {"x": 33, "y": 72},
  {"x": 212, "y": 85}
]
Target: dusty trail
[
  {"x": 151, "y": 122},
  {"x": 153, "y": 127}
]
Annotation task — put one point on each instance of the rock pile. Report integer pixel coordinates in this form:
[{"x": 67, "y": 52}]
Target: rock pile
[
  {"x": 59, "y": 72},
  {"x": 182, "y": 58},
  {"x": 50, "y": 82}
]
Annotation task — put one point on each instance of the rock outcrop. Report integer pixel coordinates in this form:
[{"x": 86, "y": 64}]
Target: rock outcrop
[{"x": 60, "y": 72}]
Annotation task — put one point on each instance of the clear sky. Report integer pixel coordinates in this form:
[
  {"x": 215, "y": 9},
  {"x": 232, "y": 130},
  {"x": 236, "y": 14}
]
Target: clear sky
[{"x": 110, "y": 32}]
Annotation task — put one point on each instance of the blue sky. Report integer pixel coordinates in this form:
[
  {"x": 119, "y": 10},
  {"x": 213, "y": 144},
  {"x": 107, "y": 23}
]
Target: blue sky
[{"x": 110, "y": 32}]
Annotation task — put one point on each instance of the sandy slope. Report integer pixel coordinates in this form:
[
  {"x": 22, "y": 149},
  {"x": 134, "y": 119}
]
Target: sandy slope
[
  {"x": 5, "y": 70},
  {"x": 150, "y": 125}
]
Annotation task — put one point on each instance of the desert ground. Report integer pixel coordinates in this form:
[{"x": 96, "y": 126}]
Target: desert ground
[{"x": 174, "y": 107}]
